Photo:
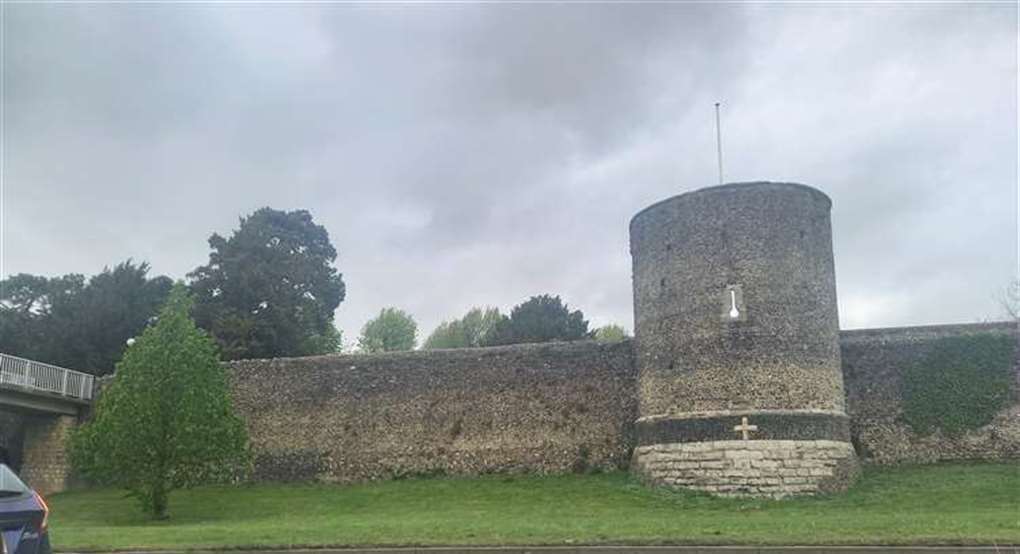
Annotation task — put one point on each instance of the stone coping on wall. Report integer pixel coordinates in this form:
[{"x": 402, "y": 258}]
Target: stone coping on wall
[
  {"x": 845, "y": 336},
  {"x": 475, "y": 351},
  {"x": 924, "y": 332}
]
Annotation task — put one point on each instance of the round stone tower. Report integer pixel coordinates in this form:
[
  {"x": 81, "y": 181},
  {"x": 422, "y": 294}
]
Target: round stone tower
[{"x": 740, "y": 389}]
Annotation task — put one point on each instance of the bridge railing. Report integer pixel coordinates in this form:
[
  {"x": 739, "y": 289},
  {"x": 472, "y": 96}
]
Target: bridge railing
[{"x": 37, "y": 376}]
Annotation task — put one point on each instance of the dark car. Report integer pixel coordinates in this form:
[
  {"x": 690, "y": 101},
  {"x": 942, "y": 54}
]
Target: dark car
[{"x": 23, "y": 517}]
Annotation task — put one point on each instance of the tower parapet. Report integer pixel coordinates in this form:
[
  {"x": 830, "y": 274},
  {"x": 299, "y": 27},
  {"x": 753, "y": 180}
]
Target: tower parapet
[{"x": 740, "y": 387}]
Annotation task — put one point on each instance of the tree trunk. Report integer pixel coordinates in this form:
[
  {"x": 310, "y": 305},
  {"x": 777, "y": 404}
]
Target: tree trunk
[{"x": 159, "y": 499}]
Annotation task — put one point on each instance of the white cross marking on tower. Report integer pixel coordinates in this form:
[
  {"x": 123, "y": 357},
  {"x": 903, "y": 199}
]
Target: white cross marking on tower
[{"x": 744, "y": 427}]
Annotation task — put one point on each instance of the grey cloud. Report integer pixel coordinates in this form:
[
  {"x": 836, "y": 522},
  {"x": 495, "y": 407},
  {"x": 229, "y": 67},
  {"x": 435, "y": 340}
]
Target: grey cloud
[{"x": 475, "y": 154}]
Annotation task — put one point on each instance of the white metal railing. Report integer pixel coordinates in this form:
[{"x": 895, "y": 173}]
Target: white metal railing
[{"x": 37, "y": 376}]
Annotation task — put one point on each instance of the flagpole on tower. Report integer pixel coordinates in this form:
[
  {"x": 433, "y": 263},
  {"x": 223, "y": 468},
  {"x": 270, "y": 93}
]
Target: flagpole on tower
[{"x": 718, "y": 141}]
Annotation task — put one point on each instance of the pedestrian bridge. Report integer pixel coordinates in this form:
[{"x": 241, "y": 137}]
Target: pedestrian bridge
[
  {"x": 26, "y": 385},
  {"x": 40, "y": 404}
]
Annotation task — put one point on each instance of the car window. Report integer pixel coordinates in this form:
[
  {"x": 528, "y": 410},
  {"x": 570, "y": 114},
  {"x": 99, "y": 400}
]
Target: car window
[{"x": 9, "y": 482}]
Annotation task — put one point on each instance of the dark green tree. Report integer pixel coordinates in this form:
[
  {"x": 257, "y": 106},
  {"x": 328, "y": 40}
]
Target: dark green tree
[
  {"x": 391, "y": 331},
  {"x": 116, "y": 305},
  {"x": 34, "y": 294},
  {"x": 540, "y": 319},
  {"x": 330, "y": 342},
  {"x": 166, "y": 421},
  {"x": 468, "y": 331},
  {"x": 270, "y": 290},
  {"x": 37, "y": 316},
  {"x": 81, "y": 325}
]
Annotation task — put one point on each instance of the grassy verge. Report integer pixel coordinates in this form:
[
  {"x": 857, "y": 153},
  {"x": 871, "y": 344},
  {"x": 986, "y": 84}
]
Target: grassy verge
[{"x": 942, "y": 504}]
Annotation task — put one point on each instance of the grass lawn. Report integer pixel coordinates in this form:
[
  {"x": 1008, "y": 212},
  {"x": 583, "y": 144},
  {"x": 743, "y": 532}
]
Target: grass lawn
[{"x": 957, "y": 504}]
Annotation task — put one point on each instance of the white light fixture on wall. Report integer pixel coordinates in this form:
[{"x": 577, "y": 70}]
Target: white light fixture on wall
[{"x": 731, "y": 308}]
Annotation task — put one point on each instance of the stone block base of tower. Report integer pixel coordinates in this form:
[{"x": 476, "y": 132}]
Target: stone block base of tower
[{"x": 762, "y": 468}]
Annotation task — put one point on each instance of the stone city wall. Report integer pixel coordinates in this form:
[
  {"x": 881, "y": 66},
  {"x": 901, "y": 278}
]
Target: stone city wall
[
  {"x": 874, "y": 363},
  {"x": 550, "y": 408},
  {"x": 553, "y": 407}
]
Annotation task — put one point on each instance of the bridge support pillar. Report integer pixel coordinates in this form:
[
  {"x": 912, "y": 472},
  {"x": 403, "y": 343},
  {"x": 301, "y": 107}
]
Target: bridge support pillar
[{"x": 46, "y": 466}]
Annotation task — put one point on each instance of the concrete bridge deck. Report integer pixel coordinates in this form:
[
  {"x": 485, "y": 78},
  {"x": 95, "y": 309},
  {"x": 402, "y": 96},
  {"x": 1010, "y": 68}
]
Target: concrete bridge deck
[{"x": 27, "y": 385}]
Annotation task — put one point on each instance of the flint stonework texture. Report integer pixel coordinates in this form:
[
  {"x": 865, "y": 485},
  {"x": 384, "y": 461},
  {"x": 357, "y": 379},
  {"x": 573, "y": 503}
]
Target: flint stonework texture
[
  {"x": 874, "y": 361},
  {"x": 773, "y": 241},
  {"x": 554, "y": 407},
  {"x": 565, "y": 407},
  {"x": 735, "y": 322}
]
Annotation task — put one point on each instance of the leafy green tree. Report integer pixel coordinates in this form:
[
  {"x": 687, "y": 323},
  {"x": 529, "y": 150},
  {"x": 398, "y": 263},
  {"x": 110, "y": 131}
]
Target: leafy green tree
[
  {"x": 611, "y": 333},
  {"x": 468, "y": 331},
  {"x": 77, "y": 323},
  {"x": 391, "y": 331},
  {"x": 166, "y": 421},
  {"x": 270, "y": 290},
  {"x": 540, "y": 319}
]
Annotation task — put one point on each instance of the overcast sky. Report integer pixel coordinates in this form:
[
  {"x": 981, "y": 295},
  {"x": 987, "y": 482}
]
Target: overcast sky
[{"x": 464, "y": 155}]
